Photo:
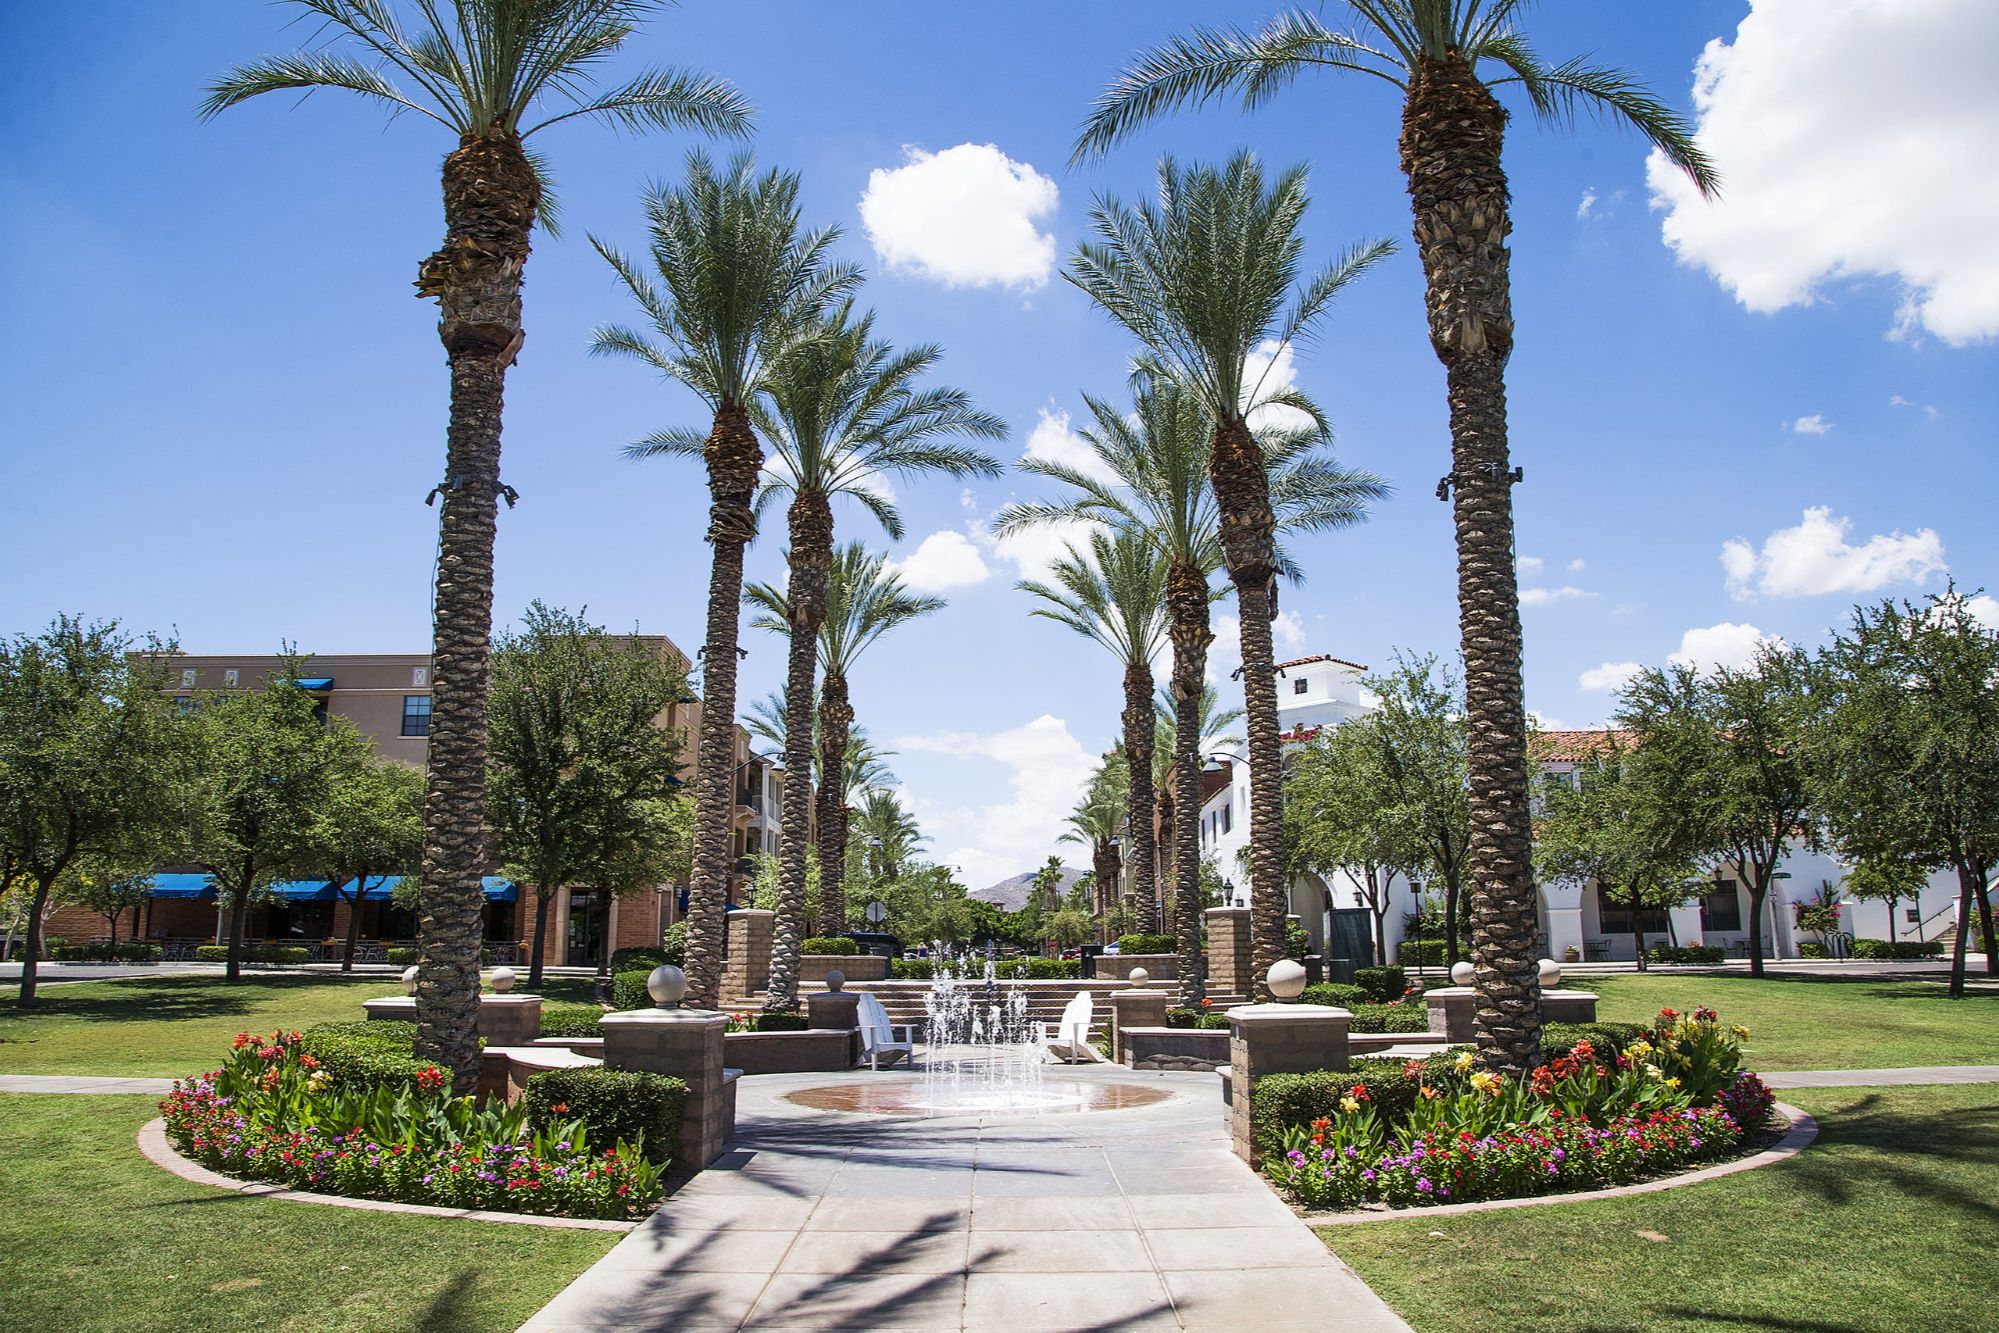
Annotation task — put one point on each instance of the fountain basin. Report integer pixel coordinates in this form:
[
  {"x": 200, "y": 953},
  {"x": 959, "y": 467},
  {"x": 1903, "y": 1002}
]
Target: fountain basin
[{"x": 918, "y": 1098}]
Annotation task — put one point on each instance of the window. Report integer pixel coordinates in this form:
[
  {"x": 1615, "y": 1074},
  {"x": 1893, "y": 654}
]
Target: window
[
  {"x": 419, "y": 676},
  {"x": 416, "y": 715},
  {"x": 1722, "y": 909},
  {"x": 1298, "y": 686},
  {"x": 1228, "y": 818},
  {"x": 1614, "y": 918},
  {"x": 187, "y": 678},
  {"x": 229, "y": 679}
]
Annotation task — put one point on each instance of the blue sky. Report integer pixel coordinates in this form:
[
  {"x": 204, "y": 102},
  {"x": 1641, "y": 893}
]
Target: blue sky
[{"x": 224, "y": 405}]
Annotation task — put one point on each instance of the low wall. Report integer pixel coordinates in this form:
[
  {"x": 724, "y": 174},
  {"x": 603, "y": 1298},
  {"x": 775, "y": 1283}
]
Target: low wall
[
  {"x": 1158, "y": 966},
  {"x": 813, "y": 967},
  {"x": 1194, "y": 1049},
  {"x": 815, "y": 1050}
]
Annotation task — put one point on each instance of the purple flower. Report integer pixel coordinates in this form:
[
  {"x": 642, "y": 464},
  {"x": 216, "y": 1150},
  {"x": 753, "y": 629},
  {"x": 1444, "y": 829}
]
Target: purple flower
[
  {"x": 1424, "y": 1186},
  {"x": 1368, "y": 1176}
]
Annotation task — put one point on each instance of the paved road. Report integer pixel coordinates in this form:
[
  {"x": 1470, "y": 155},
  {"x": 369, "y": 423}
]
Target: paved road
[{"x": 1134, "y": 1219}]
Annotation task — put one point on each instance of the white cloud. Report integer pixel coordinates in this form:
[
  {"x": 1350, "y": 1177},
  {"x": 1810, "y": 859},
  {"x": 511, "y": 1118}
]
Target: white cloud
[
  {"x": 1530, "y": 564},
  {"x": 940, "y": 561},
  {"x": 964, "y": 217},
  {"x": 1587, "y": 203},
  {"x": 1543, "y": 596},
  {"x": 1854, "y": 141},
  {"x": 1610, "y": 676},
  {"x": 1033, "y": 551},
  {"x": 1287, "y": 633},
  {"x": 1814, "y": 424},
  {"x": 1815, "y": 558},
  {"x": 1929, "y": 409},
  {"x": 1271, "y": 370},
  {"x": 1986, "y": 609},
  {"x": 1576, "y": 566},
  {"x": 1724, "y": 645},
  {"x": 1049, "y": 769},
  {"x": 1053, "y": 441}
]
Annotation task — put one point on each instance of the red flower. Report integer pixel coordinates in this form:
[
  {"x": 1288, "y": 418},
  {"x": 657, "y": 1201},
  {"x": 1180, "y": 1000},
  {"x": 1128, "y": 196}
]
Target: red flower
[{"x": 430, "y": 1078}]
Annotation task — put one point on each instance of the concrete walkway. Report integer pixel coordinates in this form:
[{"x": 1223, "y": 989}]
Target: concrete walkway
[
  {"x": 158, "y": 1087},
  {"x": 1135, "y": 1219},
  {"x": 1882, "y": 1078}
]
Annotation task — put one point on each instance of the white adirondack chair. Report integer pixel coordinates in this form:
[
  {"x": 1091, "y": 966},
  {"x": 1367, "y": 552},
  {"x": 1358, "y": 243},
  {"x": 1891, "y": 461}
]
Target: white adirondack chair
[
  {"x": 1070, "y": 1040},
  {"x": 883, "y": 1041}
]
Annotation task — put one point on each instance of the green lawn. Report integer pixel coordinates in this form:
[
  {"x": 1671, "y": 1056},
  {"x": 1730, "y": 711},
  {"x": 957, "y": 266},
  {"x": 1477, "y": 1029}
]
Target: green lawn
[
  {"x": 1885, "y": 1224},
  {"x": 94, "y": 1236},
  {"x": 168, "y": 1026},
  {"x": 1821, "y": 1022}
]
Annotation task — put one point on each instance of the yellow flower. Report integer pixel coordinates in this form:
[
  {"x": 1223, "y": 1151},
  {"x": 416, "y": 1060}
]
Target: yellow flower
[
  {"x": 1741, "y": 1032},
  {"x": 1672, "y": 1083},
  {"x": 1653, "y": 1071},
  {"x": 1464, "y": 1061},
  {"x": 1485, "y": 1081},
  {"x": 1349, "y": 1105},
  {"x": 1638, "y": 1049}
]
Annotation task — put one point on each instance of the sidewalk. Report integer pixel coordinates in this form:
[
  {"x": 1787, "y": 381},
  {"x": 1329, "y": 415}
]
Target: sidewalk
[{"x": 1882, "y": 1078}]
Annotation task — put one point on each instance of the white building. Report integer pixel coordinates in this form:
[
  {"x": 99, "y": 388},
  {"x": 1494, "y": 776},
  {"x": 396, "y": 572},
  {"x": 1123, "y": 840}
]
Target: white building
[{"x": 1321, "y": 690}]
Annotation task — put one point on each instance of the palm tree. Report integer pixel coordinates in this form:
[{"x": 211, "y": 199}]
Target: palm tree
[
  {"x": 1204, "y": 280},
  {"x": 485, "y": 70},
  {"x": 888, "y": 835},
  {"x": 1115, "y": 595},
  {"x": 740, "y": 285},
  {"x": 1452, "y": 129},
  {"x": 1099, "y": 821},
  {"x": 864, "y": 600},
  {"x": 1151, "y": 475},
  {"x": 841, "y": 412},
  {"x": 1190, "y": 735}
]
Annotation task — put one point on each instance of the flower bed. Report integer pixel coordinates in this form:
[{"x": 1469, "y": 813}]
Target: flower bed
[
  {"x": 1442, "y": 1130},
  {"x": 273, "y": 1112}
]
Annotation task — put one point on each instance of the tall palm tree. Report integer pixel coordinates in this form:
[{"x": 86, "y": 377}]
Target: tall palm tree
[
  {"x": 1205, "y": 281},
  {"x": 739, "y": 286},
  {"x": 486, "y": 71},
  {"x": 1190, "y": 735},
  {"x": 841, "y": 413},
  {"x": 864, "y": 600},
  {"x": 1150, "y": 475},
  {"x": 1452, "y": 129},
  {"x": 1115, "y": 595},
  {"x": 1099, "y": 821},
  {"x": 888, "y": 835}
]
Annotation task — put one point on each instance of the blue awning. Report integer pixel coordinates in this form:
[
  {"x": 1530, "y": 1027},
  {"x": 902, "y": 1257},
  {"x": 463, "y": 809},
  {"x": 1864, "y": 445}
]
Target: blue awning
[
  {"x": 498, "y": 890},
  {"x": 181, "y": 886},
  {"x": 304, "y": 890},
  {"x": 316, "y": 684}
]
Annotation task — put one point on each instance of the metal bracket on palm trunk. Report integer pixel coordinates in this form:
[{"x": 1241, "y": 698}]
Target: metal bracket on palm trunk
[
  {"x": 457, "y": 483},
  {"x": 1497, "y": 471}
]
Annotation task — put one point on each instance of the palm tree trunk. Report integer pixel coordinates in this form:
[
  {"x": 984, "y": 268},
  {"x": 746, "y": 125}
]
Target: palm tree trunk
[
  {"x": 836, "y": 720},
  {"x": 1140, "y": 722},
  {"x": 811, "y": 558},
  {"x": 490, "y": 198},
  {"x": 734, "y": 458},
  {"x": 1249, "y": 528},
  {"x": 1452, "y": 131},
  {"x": 1187, "y": 615}
]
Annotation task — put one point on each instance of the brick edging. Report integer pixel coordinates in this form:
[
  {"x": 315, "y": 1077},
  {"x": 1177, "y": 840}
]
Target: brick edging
[
  {"x": 158, "y": 1150},
  {"x": 1803, "y": 1130}
]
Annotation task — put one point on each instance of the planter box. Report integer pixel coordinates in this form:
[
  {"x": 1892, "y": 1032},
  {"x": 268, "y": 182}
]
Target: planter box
[
  {"x": 813, "y": 967},
  {"x": 815, "y": 1050},
  {"x": 1193, "y": 1049}
]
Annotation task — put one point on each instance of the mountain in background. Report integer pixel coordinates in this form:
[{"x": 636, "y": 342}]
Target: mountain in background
[{"x": 1010, "y": 895}]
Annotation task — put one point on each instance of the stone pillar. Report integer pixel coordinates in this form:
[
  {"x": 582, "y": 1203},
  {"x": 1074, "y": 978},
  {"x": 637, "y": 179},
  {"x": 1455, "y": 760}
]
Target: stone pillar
[
  {"x": 1567, "y": 1006},
  {"x": 504, "y": 1020},
  {"x": 1134, "y": 1009},
  {"x": 686, "y": 1044},
  {"x": 1277, "y": 1039},
  {"x": 1229, "y": 961},
  {"x": 840, "y": 1010},
  {"x": 746, "y": 971},
  {"x": 1452, "y": 1009}
]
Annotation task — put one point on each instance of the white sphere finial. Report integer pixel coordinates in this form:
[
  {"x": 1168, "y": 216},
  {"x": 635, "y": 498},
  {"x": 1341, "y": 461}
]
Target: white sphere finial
[
  {"x": 502, "y": 980},
  {"x": 836, "y": 980},
  {"x": 1462, "y": 974},
  {"x": 666, "y": 985},
  {"x": 409, "y": 980},
  {"x": 1138, "y": 976},
  {"x": 1287, "y": 979},
  {"x": 1551, "y": 973}
]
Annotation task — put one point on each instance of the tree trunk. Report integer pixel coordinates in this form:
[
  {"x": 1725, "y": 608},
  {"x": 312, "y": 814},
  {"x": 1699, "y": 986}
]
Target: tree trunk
[
  {"x": 1452, "y": 132},
  {"x": 1637, "y": 930},
  {"x": 1187, "y": 616},
  {"x": 31, "y": 948},
  {"x": 1141, "y": 721},
  {"x": 1984, "y": 897},
  {"x": 1450, "y": 923},
  {"x": 811, "y": 560},
  {"x": 541, "y": 897},
  {"x": 353, "y": 923},
  {"x": 1965, "y": 892},
  {"x": 239, "y": 908},
  {"x": 836, "y": 720},
  {"x": 734, "y": 458},
  {"x": 1759, "y": 892},
  {"x": 490, "y": 198}
]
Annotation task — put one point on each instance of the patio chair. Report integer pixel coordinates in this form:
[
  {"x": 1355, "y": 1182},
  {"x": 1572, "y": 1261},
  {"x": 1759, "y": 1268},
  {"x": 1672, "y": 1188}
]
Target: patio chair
[
  {"x": 881, "y": 1040},
  {"x": 1070, "y": 1041}
]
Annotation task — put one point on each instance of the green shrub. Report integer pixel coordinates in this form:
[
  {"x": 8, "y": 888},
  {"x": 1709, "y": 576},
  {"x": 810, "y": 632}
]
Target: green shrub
[
  {"x": 567, "y": 1018},
  {"x": 613, "y": 1104},
  {"x": 254, "y": 953},
  {"x": 1811, "y": 949},
  {"x": 126, "y": 951},
  {"x": 628, "y": 990},
  {"x": 1420, "y": 953},
  {"x": 403, "y": 957},
  {"x": 1381, "y": 984},
  {"x": 1608, "y": 1039},
  {"x": 779, "y": 1023},
  {"x": 1038, "y": 969},
  {"x": 830, "y": 944},
  {"x": 1294, "y": 1101},
  {"x": 365, "y": 1053},
  {"x": 1144, "y": 943},
  {"x": 675, "y": 946},
  {"x": 1700, "y": 955},
  {"x": 1885, "y": 950},
  {"x": 1204, "y": 1019},
  {"x": 1404, "y": 1017},
  {"x": 1297, "y": 943},
  {"x": 642, "y": 959},
  {"x": 911, "y": 969},
  {"x": 1337, "y": 994}
]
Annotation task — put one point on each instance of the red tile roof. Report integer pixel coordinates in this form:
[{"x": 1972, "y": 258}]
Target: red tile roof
[
  {"x": 1321, "y": 657},
  {"x": 1570, "y": 747}
]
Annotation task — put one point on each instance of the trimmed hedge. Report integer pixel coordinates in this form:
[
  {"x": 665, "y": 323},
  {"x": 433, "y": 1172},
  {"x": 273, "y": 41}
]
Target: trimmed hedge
[
  {"x": 1421, "y": 953},
  {"x": 569, "y": 1018},
  {"x": 628, "y": 990},
  {"x": 1206, "y": 1019},
  {"x": 127, "y": 952},
  {"x": 255, "y": 953},
  {"x": 778, "y": 1023},
  {"x": 643, "y": 959},
  {"x": 911, "y": 969},
  {"x": 403, "y": 957},
  {"x": 1609, "y": 1039},
  {"x": 1381, "y": 984},
  {"x": 1886, "y": 950},
  {"x": 1143, "y": 943},
  {"x": 1287, "y": 1100},
  {"x": 1701, "y": 955},
  {"x": 367, "y": 1052},
  {"x": 1336, "y": 994},
  {"x": 1297, "y": 942},
  {"x": 1390, "y": 1018},
  {"x": 1811, "y": 949},
  {"x": 830, "y": 944},
  {"x": 613, "y": 1104}
]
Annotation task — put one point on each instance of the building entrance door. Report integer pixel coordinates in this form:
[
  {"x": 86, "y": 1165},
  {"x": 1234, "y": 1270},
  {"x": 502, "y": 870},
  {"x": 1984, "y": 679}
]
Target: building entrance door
[{"x": 586, "y": 928}]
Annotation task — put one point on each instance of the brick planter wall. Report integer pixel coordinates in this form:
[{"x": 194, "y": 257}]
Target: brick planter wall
[
  {"x": 1158, "y": 966},
  {"x": 1196, "y": 1050},
  {"x": 813, "y": 967},
  {"x": 811, "y": 1051}
]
